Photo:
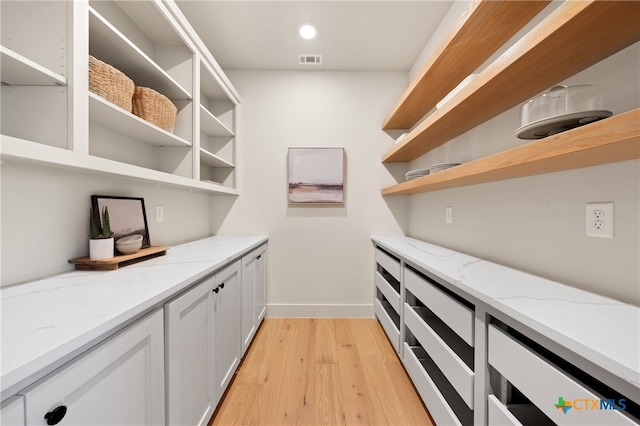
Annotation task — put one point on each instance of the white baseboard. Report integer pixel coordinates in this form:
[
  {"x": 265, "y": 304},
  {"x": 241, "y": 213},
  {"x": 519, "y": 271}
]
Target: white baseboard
[{"x": 320, "y": 311}]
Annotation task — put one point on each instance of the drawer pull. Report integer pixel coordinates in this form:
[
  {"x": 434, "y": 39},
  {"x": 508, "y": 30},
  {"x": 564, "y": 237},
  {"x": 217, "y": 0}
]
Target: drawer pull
[{"x": 56, "y": 415}]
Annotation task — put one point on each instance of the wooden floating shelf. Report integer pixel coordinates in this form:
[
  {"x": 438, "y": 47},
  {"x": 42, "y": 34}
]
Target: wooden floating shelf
[
  {"x": 84, "y": 263},
  {"x": 484, "y": 27},
  {"x": 575, "y": 36},
  {"x": 607, "y": 141}
]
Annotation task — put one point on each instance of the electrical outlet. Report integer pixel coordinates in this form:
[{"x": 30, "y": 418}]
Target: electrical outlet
[
  {"x": 159, "y": 214},
  {"x": 599, "y": 220},
  {"x": 448, "y": 214}
]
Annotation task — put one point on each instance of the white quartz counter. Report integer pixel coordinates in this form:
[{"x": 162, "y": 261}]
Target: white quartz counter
[
  {"x": 47, "y": 322},
  {"x": 602, "y": 330}
]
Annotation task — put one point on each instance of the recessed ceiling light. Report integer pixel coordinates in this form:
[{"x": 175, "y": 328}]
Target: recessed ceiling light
[{"x": 307, "y": 32}]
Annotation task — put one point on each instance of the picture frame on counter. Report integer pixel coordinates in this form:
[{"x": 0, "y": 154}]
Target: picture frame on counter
[
  {"x": 127, "y": 216},
  {"x": 316, "y": 176}
]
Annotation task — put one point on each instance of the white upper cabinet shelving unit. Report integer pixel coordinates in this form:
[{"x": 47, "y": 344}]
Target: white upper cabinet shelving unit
[
  {"x": 217, "y": 119},
  {"x": 49, "y": 116},
  {"x": 35, "y": 68}
]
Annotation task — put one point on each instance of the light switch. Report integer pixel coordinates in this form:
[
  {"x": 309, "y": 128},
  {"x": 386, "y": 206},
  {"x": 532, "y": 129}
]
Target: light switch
[{"x": 159, "y": 214}]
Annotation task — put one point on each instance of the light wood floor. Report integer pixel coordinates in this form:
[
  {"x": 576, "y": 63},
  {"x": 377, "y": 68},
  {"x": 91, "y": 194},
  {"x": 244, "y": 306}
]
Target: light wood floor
[{"x": 321, "y": 372}]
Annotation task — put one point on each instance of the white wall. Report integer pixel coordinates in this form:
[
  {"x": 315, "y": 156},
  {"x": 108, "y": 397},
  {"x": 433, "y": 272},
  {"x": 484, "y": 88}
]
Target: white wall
[
  {"x": 320, "y": 258},
  {"x": 537, "y": 224},
  {"x": 45, "y": 216}
]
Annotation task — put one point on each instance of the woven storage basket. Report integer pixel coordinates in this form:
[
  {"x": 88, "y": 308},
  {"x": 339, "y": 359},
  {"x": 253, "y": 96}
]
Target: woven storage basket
[
  {"x": 154, "y": 107},
  {"x": 110, "y": 83}
]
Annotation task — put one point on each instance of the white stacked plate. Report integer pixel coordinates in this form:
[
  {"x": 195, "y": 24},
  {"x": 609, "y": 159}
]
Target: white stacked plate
[
  {"x": 442, "y": 166},
  {"x": 415, "y": 174}
]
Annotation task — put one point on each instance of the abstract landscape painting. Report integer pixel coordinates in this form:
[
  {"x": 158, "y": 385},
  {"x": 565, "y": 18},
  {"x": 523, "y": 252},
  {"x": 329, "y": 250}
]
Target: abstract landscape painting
[
  {"x": 127, "y": 216},
  {"x": 316, "y": 176}
]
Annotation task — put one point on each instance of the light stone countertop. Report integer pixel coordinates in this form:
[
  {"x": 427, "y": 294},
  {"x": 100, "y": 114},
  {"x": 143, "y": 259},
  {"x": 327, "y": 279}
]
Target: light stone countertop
[
  {"x": 46, "y": 323},
  {"x": 602, "y": 330}
]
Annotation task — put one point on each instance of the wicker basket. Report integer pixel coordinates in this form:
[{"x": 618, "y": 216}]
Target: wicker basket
[
  {"x": 154, "y": 107},
  {"x": 110, "y": 83}
]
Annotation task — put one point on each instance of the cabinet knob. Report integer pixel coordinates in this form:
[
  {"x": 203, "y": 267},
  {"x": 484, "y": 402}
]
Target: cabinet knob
[
  {"x": 222, "y": 285},
  {"x": 258, "y": 257},
  {"x": 56, "y": 415},
  {"x": 217, "y": 289}
]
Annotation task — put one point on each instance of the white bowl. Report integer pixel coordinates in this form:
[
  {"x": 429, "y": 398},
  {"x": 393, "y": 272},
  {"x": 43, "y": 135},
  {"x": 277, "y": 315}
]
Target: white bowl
[
  {"x": 128, "y": 249},
  {"x": 130, "y": 239},
  {"x": 130, "y": 244}
]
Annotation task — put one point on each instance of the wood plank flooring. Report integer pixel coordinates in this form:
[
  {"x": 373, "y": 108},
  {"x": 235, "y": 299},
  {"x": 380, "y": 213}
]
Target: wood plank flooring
[{"x": 321, "y": 372}]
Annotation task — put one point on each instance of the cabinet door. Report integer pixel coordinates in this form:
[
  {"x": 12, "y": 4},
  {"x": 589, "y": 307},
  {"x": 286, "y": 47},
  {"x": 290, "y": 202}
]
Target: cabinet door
[
  {"x": 228, "y": 344},
  {"x": 253, "y": 293},
  {"x": 120, "y": 382},
  {"x": 261, "y": 284},
  {"x": 190, "y": 356},
  {"x": 248, "y": 291},
  {"x": 12, "y": 412}
]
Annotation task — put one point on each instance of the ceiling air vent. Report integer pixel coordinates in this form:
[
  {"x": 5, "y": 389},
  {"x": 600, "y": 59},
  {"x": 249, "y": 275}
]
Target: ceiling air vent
[{"x": 309, "y": 59}]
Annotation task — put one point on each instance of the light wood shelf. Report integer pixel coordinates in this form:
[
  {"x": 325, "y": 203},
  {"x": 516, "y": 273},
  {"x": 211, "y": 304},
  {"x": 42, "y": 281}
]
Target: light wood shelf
[
  {"x": 484, "y": 27},
  {"x": 119, "y": 260},
  {"x": 575, "y": 36},
  {"x": 607, "y": 141}
]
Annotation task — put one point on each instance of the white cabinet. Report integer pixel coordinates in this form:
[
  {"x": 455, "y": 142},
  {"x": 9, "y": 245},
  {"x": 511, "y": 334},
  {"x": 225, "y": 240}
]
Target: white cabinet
[
  {"x": 36, "y": 55},
  {"x": 203, "y": 346},
  {"x": 190, "y": 334},
  {"x": 217, "y": 134},
  {"x": 12, "y": 412},
  {"x": 142, "y": 40},
  {"x": 248, "y": 291},
  {"x": 253, "y": 293},
  {"x": 387, "y": 304},
  {"x": 228, "y": 344},
  {"x": 119, "y": 382},
  {"x": 439, "y": 329},
  {"x": 49, "y": 116},
  {"x": 475, "y": 350},
  {"x": 261, "y": 284}
]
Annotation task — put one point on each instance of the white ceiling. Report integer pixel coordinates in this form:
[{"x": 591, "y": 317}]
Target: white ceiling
[{"x": 352, "y": 35}]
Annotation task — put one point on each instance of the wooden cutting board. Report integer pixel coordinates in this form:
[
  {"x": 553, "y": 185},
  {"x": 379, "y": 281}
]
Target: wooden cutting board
[{"x": 84, "y": 263}]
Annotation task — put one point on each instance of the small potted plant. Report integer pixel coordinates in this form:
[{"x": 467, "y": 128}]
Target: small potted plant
[{"x": 101, "y": 237}]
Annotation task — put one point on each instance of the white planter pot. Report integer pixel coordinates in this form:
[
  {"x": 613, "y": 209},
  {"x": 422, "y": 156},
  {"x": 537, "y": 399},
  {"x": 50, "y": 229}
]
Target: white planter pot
[{"x": 101, "y": 249}]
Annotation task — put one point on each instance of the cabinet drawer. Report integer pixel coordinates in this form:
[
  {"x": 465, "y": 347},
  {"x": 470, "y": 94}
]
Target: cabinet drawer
[
  {"x": 544, "y": 384},
  {"x": 391, "y": 264},
  {"x": 438, "y": 407},
  {"x": 498, "y": 414},
  {"x": 455, "y": 314},
  {"x": 392, "y": 331},
  {"x": 454, "y": 369},
  {"x": 389, "y": 292}
]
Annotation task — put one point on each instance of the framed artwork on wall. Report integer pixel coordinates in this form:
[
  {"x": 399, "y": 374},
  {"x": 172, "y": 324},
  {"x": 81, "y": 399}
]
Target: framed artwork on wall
[
  {"x": 316, "y": 176},
  {"x": 127, "y": 216}
]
